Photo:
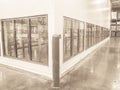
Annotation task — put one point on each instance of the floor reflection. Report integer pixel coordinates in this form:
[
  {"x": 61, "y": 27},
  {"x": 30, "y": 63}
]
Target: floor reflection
[
  {"x": 13, "y": 79},
  {"x": 2, "y": 77},
  {"x": 100, "y": 72}
]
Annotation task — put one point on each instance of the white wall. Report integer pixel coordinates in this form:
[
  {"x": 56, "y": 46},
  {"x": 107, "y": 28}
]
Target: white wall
[
  {"x": 92, "y": 11},
  {"x": 20, "y": 8},
  {"x": 55, "y": 20},
  {"x": 83, "y": 10}
]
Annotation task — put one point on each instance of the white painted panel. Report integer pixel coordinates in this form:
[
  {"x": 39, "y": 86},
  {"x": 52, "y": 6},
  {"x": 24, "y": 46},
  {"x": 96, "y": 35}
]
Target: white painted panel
[
  {"x": 27, "y": 66},
  {"x": 92, "y": 11},
  {"x": 20, "y": 8}
]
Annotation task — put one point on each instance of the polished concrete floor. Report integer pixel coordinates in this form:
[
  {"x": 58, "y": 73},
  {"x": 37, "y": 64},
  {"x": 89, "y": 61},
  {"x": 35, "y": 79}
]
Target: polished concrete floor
[
  {"x": 14, "y": 79},
  {"x": 100, "y": 71}
]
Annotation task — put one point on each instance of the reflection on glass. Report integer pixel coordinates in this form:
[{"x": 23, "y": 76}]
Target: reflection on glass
[
  {"x": 75, "y": 27},
  {"x": 87, "y": 35},
  {"x": 9, "y": 38},
  {"x": 97, "y": 34},
  {"x": 94, "y": 30},
  {"x": 119, "y": 15},
  {"x": 118, "y": 27},
  {"x": 27, "y": 38},
  {"x": 102, "y": 34},
  {"x": 81, "y": 36},
  {"x": 76, "y": 38},
  {"x": 67, "y": 38},
  {"x": 114, "y": 15},
  {"x": 21, "y": 27},
  {"x": 18, "y": 29},
  {"x": 73, "y": 37},
  {"x": 93, "y": 34},
  {"x": 39, "y": 37},
  {"x": 90, "y": 35},
  {"x": 34, "y": 39}
]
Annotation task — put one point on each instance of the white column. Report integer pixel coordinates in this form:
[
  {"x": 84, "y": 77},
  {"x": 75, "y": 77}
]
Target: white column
[{"x": 55, "y": 26}]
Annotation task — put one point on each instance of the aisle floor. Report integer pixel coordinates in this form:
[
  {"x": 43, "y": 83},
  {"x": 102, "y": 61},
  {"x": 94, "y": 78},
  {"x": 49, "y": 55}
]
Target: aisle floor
[
  {"x": 15, "y": 79},
  {"x": 100, "y": 71}
]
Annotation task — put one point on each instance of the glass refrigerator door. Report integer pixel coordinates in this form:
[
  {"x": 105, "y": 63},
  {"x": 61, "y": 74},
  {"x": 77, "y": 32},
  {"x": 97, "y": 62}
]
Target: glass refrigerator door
[{"x": 9, "y": 38}]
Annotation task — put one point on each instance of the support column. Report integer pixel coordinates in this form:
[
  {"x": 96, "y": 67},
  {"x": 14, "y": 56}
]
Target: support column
[
  {"x": 55, "y": 26},
  {"x": 56, "y": 63}
]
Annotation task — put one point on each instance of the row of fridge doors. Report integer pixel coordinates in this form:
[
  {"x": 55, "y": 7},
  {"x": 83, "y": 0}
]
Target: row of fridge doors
[{"x": 115, "y": 33}]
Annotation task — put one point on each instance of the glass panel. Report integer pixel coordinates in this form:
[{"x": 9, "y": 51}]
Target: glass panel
[
  {"x": 102, "y": 37},
  {"x": 9, "y": 38},
  {"x": 34, "y": 40},
  {"x": 76, "y": 38},
  {"x": 67, "y": 38},
  {"x": 81, "y": 36},
  {"x": 24, "y": 37},
  {"x": 104, "y": 33},
  {"x": 113, "y": 28},
  {"x": 43, "y": 39},
  {"x": 18, "y": 28},
  {"x": 90, "y": 35},
  {"x": 87, "y": 35},
  {"x": 97, "y": 34},
  {"x": 39, "y": 39},
  {"x": 27, "y": 37},
  {"x": 118, "y": 27},
  {"x": 22, "y": 27},
  {"x": 100, "y": 34},
  {"x": 114, "y": 15},
  {"x": 119, "y": 15},
  {"x": 113, "y": 23},
  {"x": 118, "y": 22},
  {"x": 75, "y": 27},
  {"x": 92, "y": 27},
  {"x": 94, "y": 30}
]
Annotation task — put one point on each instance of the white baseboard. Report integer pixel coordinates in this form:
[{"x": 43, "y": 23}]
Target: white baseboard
[{"x": 27, "y": 66}]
